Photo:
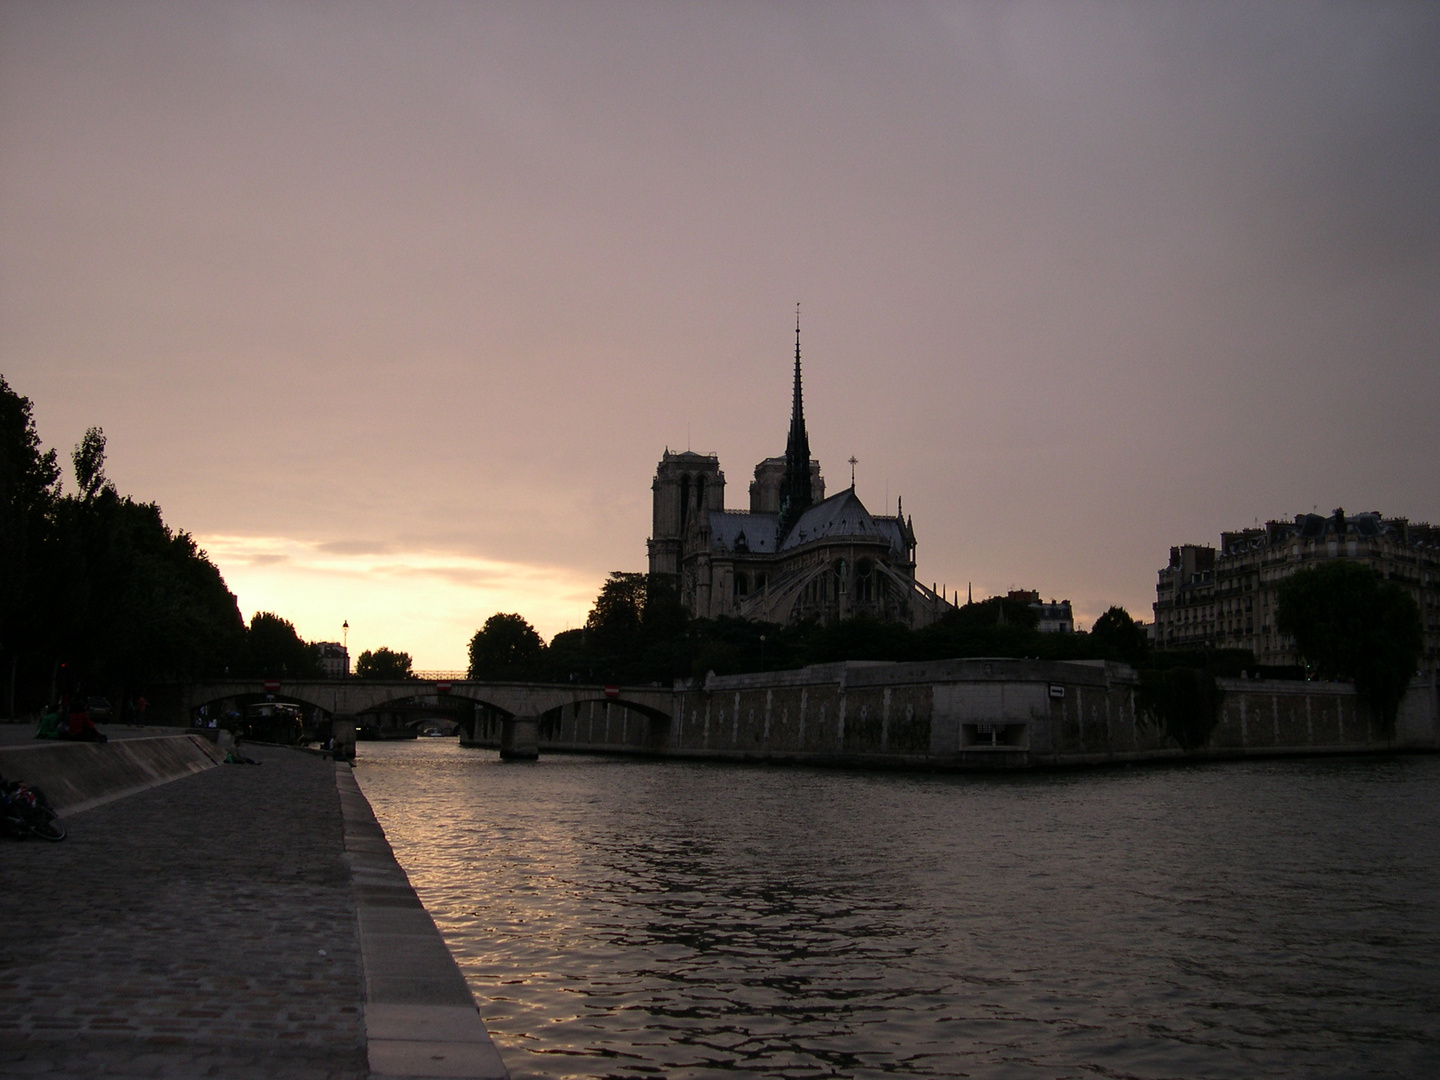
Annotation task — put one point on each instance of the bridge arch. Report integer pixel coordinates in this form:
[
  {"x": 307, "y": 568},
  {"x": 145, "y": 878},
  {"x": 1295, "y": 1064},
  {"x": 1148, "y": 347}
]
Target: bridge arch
[
  {"x": 575, "y": 716},
  {"x": 601, "y": 722}
]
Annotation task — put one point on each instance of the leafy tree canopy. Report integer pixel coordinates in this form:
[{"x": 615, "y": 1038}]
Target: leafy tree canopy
[
  {"x": 615, "y": 618},
  {"x": 29, "y": 486},
  {"x": 383, "y": 664},
  {"x": 98, "y": 595},
  {"x": 1119, "y": 636},
  {"x": 275, "y": 649},
  {"x": 1350, "y": 623},
  {"x": 996, "y": 611},
  {"x": 506, "y": 645},
  {"x": 89, "y": 461}
]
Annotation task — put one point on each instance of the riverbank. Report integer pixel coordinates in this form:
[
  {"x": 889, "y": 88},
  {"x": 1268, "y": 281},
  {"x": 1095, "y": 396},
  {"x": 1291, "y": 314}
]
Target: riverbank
[{"x": 237, "y": 922}]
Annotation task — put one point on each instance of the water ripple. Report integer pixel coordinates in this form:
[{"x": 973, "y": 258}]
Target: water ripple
[{"x": 627, "y": 919}]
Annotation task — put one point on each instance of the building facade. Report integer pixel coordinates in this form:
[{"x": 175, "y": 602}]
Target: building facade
[
  {"x": 1226, "y": 598},
  {"x": 794, "y": 554},
  {"x": 1055, "y": 617},
  {"x": 334, "y": 659}
]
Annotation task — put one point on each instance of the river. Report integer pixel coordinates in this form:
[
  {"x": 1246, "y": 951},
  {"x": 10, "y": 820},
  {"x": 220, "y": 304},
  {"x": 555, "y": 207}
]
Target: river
[{"x": 624, "y": 918}]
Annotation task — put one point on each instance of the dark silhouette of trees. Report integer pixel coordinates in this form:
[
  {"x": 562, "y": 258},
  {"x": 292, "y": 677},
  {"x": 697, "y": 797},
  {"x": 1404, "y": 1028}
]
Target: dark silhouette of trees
[
  {"x": 383, "y": 664},
  {"x": 97, "y": 594},
  {"x": 1182, "y": 701},
  {"x": 274, "y": 650},
  {"x": 638, "y": 632},
  {"x": 29, "y": 487},
  {"x": 88, "y": 459},
  {"x": 506, "y": 647},
  {"x": 996, "y": 611},
  {"x": 1350, "y": 623},
  {"x": 1120, "y": 637}
]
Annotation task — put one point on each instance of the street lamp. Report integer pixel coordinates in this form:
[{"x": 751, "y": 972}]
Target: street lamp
[{"x": 345, "y": 645}]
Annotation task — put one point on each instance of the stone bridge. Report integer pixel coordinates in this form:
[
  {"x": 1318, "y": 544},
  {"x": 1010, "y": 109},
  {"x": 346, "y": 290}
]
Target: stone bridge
[
  {"x": 942, "y": 714},
  {"x": 510, "y": 715}
]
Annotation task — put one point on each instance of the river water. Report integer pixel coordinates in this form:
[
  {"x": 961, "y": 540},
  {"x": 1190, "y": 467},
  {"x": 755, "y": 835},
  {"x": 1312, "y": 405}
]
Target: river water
[{"x": 621, "y": 918}]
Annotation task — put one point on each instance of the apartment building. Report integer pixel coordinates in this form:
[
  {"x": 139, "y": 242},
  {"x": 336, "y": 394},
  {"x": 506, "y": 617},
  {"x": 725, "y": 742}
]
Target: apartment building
[{"x": 1226, "y": 598}]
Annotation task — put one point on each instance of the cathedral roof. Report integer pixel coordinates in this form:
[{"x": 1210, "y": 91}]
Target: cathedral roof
[
  {"x": 728, "y": 528},
  {"x": 841, "y": 516}
]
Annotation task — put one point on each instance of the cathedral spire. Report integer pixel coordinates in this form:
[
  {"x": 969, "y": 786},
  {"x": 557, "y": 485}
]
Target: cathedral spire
[{"x": 795, "y": 490}]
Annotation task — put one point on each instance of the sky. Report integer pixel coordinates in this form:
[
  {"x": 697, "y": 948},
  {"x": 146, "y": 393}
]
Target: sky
[{"x": 395, "y": 306}]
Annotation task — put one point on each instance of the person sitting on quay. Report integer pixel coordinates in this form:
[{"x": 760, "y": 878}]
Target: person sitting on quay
[
  {"x": 80, "y": 728},
  {"x": 49, "y": 722}
]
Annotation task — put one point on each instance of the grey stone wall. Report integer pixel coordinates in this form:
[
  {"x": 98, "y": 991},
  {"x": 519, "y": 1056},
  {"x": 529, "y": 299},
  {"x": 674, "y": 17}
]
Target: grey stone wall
[{"x": 976, "y": 714}]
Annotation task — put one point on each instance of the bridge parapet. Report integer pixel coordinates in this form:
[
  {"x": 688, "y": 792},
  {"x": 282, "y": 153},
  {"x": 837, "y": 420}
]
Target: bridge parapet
[{"x": 360, "y": 696}]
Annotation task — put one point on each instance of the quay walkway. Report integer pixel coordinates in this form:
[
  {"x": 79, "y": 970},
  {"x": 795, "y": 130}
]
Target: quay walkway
[{"x": 241, "y": 922}]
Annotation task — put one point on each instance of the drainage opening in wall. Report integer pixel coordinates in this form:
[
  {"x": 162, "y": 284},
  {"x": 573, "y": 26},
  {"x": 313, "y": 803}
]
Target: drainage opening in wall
[{"x": 982, "y": 736}]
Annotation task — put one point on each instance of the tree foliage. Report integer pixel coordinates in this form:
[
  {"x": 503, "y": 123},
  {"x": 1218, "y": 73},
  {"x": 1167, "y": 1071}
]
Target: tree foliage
[
  {"x": 383, "y": 664},
  {"x": 1120, "y": 637},
  {"x": 274, "y": 650},
  {"x": 638, "y": 632},
  {"x": 88, "y": 459},
  {"x": 97, "y": 594},
  {"x": 996, "y": 611},
  {"x": 1350, "y": 623},
  {"x": 1183, "y": 702},
  {"x": 505, "y": 647},
  {"x": 29, "y": 487}
]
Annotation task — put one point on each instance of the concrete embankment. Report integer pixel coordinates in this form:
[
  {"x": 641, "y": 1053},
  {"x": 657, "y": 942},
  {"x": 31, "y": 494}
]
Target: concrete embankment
[
  {"x": 976, "y": 714},
  {"x": 77, "y": 776},
  {"x": 420, "y": 1019},
  {"x": 234, "y": 922}
]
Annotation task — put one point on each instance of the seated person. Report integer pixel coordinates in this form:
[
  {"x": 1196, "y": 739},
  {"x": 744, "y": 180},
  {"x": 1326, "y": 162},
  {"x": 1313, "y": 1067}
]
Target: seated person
[
  {"x": 80, "y": 727},
  {"x": 49, "y": 723}
]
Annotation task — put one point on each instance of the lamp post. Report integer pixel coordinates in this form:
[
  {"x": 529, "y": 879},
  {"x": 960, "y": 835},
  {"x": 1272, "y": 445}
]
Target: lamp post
[
  {"x": 345, "y": 645},
  {"x": 762, "y": 652}
]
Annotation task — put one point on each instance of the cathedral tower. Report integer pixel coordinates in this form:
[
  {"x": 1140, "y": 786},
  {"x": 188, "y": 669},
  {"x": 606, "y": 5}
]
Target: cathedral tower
[{"x": 687, "y": 486}]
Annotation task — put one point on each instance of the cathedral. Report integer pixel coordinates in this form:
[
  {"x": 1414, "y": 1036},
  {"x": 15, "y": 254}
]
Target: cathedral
[{"x": 794, "y": 555}]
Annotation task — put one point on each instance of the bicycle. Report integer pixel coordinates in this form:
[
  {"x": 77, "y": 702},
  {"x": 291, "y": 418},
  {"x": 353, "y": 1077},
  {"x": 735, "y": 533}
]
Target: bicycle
[{"x": 25, "y": 812}]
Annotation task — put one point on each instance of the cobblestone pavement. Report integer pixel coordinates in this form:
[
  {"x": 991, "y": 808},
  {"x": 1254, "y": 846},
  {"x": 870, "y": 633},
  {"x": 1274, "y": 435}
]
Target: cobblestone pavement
[{"x": 202, "y": 928}]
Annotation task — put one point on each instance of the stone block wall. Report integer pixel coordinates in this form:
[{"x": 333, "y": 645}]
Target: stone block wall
[{"x": 997, "y": 713}]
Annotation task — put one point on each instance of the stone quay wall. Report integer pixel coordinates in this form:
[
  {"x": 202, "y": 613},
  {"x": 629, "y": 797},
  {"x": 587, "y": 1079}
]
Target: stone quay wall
[{"x": 978, "y": 714}]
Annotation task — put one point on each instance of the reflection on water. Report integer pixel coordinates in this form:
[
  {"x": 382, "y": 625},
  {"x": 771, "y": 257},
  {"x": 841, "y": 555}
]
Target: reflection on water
[{"x": 626, "y": 918}]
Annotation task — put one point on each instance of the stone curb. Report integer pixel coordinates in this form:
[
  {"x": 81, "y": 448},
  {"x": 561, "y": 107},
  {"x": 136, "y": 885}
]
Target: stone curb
[{"x": 420, "y": 1020}]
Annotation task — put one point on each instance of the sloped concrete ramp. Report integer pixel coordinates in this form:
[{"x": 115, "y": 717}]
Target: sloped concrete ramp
[{"x": 77, "y": 776}]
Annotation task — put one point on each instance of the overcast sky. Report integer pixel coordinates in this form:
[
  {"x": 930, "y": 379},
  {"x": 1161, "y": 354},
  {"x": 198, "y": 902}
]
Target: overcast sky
[{"x": 395, "y": 306}]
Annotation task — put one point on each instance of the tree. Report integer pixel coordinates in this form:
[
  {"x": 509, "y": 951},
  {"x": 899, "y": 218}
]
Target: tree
[
  {"x": 1183, "y": 702},
  {"x": 383, "y": 664},
  {"x": 1119, "y": 636},
  {"x": 275, "y": 649},
  {"x": 133, "y": 601},
  {"x": 29, "y": 486},
  {"x": 1350, "y": 623},
  {"x": 507, "y": 645},
  {"x": 614, "y": 621},
  {"x": 88, "y": 458},
  {"x": 996, "y": 611}
]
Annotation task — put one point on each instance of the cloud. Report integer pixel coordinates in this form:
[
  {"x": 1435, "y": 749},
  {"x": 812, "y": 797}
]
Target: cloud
[
  {"x": 429, "y": 294},
  {"x": 354, "y": 547},
  {"x": 427, "y": 602}
]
